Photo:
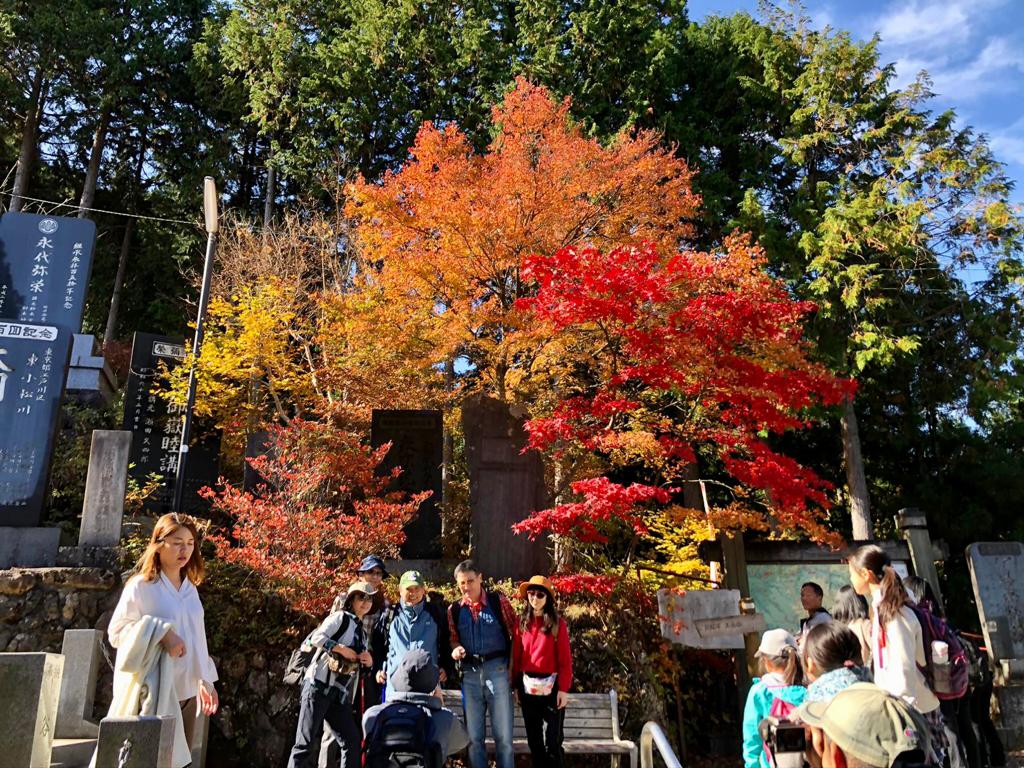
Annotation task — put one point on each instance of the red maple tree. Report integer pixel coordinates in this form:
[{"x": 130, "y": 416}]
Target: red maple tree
[
  {"x": 322, "y": 504},
  {"x": 676, "y": 353}
]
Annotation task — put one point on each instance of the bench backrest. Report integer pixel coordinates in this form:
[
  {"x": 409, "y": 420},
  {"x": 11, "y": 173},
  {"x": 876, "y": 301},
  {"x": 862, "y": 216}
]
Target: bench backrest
[{"x": 587, "y": 715}]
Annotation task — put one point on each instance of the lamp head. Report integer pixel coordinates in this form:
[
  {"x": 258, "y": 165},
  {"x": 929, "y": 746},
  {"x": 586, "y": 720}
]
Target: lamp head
[{"x": 210, "y": 204}]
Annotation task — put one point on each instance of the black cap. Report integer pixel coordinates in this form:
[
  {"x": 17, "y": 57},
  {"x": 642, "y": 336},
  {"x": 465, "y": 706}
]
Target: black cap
[{"x": 416, "y": 674}]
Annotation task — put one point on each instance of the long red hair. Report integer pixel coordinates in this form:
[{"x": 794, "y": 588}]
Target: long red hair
[{"x": 149, "y": 564}]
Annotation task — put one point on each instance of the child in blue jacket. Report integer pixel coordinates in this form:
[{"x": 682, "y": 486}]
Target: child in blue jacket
[{"x": 782, "y": 680}]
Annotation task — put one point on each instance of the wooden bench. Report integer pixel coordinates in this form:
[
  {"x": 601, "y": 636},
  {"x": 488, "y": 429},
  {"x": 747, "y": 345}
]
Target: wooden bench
[{"x": 591, "y": 726}]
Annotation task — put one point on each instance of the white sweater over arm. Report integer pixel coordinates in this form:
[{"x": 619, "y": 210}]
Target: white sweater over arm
[{"x": 184, "y": 610}]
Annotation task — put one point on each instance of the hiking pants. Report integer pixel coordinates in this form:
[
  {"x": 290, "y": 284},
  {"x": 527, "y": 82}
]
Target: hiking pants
[{"x": 318, "y": 705}]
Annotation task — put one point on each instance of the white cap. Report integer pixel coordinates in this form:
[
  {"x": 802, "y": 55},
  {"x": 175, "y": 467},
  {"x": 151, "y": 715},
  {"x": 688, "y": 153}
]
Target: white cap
[{"x": 774, "y": 641}]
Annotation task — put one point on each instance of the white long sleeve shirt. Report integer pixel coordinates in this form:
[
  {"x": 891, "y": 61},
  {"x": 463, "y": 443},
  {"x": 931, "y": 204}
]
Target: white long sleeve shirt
[
  {"x": 898, "y": 656},
  {"x": 184, "y": 610}
]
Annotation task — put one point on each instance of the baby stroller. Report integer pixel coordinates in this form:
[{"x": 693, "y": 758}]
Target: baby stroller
[{"x": 403, "y": 737}]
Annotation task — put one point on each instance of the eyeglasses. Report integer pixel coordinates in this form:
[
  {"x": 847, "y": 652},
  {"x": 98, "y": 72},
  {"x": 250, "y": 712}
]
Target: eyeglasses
[
  {"x": 536, "y": 593},
  {"x": 363, "y": 597},
  {"x": 374, "y": 572}
]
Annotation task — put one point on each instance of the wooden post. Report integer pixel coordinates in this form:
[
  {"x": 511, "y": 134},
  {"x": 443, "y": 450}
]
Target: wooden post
[
  {"x": 914, "y": 527},
  {"x": 734, "y": 560}
]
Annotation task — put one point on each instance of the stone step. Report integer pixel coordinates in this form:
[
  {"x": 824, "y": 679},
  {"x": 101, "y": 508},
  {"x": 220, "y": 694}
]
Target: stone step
[{"x": 72, "y": 753}]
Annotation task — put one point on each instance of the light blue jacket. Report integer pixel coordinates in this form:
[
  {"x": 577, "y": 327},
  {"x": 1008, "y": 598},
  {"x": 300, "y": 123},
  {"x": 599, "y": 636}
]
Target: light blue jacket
[{"x": 759, "y": 703}]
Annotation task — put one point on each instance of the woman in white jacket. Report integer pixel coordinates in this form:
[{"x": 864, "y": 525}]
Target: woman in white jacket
[
  {"x": 164, "y": 587},
  {"x": 897, "y": 642}
]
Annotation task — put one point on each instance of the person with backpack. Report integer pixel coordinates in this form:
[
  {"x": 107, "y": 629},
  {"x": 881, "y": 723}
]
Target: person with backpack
[
  {"x": 832, "y": 661},
  {"x": 954, "y": 699},
  {"x": 811, "y": 597},
  {"x": 542, "y": 672},
  {"x": 413, "y": 723},
  {"x": 777, "y": 693},
  {"x": 897, "y": 639},
  {"x": 414, "y": 623},
  {"x": 331, "y": 678},
  {"x": 483, "y": 629},
  {"x": 371, "y": 570}
]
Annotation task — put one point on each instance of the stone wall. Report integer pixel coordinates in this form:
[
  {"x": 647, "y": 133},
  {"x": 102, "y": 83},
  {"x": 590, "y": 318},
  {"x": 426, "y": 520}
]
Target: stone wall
[
  {"x": 38, "y": 604},
  {"x": 256, "y": 724}
]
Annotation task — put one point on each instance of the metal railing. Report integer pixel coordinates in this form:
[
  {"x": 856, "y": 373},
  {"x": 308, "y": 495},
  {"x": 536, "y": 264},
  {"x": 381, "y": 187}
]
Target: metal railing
[{"x": 652, "y": 736}]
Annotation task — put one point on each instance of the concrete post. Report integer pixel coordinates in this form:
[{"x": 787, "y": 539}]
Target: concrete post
[
  {"x": 82, "y": 654},
  {"x": 914, "y": 527},
  {"x": 104, "y": 489},
  {"x": 200, "y": 741},
  {"x": 30, "y": 684},
  {"x": 135, "y": 742}
]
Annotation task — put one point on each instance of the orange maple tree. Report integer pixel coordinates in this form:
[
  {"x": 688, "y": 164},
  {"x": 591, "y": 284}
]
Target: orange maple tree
[{"x": 450, "y": 229}]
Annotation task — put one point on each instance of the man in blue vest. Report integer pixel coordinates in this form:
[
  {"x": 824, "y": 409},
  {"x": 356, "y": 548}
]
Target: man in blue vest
[
  {"x": 415, "y": 622},
  {"x": 483, "y": 627}
]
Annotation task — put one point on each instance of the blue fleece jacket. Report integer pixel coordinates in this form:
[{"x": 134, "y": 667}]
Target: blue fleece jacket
[{"x": 759, "y": 704}]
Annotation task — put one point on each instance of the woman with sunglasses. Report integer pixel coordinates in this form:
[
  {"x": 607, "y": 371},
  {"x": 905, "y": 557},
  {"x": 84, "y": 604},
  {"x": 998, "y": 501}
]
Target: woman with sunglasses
[
  {"x": 542, "y": 672},
  {"x": 331, "y": 679}
]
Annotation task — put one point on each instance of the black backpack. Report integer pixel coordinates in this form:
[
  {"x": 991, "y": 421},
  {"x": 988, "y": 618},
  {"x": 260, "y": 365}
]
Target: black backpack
[
  {"x": 303, "y": 656},
  {"x": 403, "y": 737}
]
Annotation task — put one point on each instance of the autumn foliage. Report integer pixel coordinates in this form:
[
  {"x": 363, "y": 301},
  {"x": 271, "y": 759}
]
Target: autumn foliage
[
  {"x": 321, "y": 507},
  {"x": 449, "y": 230},
  {"x": 678, "y": 354}
]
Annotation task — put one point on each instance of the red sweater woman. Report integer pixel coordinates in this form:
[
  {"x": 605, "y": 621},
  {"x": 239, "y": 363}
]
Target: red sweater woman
[{"x": 542, "y": 672}]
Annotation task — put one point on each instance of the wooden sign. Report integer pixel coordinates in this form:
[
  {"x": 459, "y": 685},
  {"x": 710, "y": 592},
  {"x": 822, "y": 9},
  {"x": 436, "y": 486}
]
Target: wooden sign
[{"x": 728, "y": 626}]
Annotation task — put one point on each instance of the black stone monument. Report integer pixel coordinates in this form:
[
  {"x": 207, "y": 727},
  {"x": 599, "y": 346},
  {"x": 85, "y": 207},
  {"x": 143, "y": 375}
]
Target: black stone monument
[
  {"x": 156, "y": 427},
  {"x": 44, "y": 269},
  {"x": 416, "y": 439}
]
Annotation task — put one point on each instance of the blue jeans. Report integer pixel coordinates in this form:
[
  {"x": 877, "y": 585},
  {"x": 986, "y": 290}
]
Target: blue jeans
[{"x": 486, "y": 688}]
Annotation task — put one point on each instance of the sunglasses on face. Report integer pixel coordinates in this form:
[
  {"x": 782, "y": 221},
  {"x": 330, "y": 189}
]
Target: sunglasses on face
[
  {"x": 362, "y": 597},
  {"x": 536, "y": 593}
]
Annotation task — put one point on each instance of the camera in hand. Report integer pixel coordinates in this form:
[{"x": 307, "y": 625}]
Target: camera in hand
[{"x": 785, "y": 742}]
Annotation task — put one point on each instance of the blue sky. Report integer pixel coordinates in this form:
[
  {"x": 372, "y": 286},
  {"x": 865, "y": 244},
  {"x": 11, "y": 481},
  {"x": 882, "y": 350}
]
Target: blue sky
[{"x": 972, "y": 49}]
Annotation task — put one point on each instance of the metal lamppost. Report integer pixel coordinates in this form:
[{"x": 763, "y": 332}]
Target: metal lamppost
[{"x": 210, "y": 212}]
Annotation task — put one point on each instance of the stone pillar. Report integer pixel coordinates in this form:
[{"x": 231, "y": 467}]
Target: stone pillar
[
  {"x": 914, "y": 527},
  {"x": 82, "y": 654},
  {"x": 30, "y": 684},
  {"x": 135, "y": 742},
  {"x": 104, "y": 488}
]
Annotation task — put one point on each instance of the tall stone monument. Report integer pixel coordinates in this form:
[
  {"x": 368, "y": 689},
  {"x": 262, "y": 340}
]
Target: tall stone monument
[
  {"x": 156, "y": 427},
  {"x": 416, "y": 446},
  {"x": 505, "y": 486},
  {"x": 44, "y": 270}
]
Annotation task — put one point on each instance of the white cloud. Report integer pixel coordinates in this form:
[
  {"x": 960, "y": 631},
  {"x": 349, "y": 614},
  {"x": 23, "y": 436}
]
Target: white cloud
[
  {"x": 926, "y": 25},
  {"x": 1008, "y": 144},
  {"x": 996, "y": 68}
]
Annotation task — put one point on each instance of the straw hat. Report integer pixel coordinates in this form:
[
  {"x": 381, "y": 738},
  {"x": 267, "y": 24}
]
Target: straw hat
[{"x": 536, "y": 582}]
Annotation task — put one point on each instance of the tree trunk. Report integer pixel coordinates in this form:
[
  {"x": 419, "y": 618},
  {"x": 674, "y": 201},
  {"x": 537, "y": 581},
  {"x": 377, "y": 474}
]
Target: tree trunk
[
  {"x": 115, "y": 297},
  {"x": 857, "y": 486},
  {"x": 122, "y": 262},
  {"x": 268, "y": 201},
  {"x": 99, "y": 138},
  {"x": 27, "y": 154}
]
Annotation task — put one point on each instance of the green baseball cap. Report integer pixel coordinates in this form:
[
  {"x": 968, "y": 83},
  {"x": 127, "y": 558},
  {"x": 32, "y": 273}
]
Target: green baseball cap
[
  {"x": 866, "y": 722},
  {"x": 411, "y": 579}
]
